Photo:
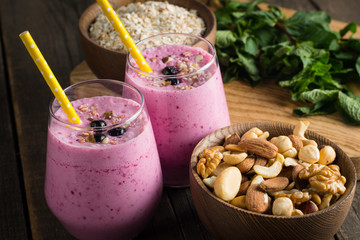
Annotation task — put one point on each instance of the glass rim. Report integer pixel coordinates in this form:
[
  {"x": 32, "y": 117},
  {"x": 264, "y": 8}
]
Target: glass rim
[
  {"x": 155, "y": 75},
  {"x": 88, "y": 128}
]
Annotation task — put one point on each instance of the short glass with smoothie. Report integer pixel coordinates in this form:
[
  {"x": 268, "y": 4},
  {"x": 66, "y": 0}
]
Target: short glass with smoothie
[
  {"x": 184, "y": 95},
  {"x": 103, "y": 177}
]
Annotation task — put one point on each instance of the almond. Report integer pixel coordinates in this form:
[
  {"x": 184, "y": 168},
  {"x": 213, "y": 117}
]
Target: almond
[
  {"x": 274, "y": 184},
  {"x": 232, "y": 139},
  {"x": 256, "y": 200},
  {"x": 296, "y": 142},
  {"x": 243, "y": 188},
  {"x": 299, "y": 183},
  {"x": 246, "y": 165},
  {"x": 286, "y": 172},
  {"x": 260, "y": 147},
  {"x": 258, "y": 161}
]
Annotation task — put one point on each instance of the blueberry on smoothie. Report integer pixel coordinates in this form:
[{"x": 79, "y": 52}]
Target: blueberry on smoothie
[
  {"x": 173, "y": 81},
  {"x": 99, "y": 137},
  {"x": 97, "y": 124},
  {"x": 118, "y": 131},
  {"x": 170, "y": 70}
]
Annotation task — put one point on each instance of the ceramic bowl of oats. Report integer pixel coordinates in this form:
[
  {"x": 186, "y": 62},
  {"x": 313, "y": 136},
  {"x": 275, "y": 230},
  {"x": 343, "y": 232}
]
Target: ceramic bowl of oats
[
  {"x": 104, "y": 51},
  {"x": 271, "y": 180}
]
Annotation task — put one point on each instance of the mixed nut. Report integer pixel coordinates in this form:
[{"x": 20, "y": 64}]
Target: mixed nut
[{"x": 283, "y": 176}]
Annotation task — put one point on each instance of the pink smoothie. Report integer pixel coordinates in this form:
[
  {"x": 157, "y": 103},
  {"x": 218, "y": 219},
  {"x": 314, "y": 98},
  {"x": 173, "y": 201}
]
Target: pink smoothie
[
  {"x": 103, "y": 190},
  {"x": 184, "y": 113}
]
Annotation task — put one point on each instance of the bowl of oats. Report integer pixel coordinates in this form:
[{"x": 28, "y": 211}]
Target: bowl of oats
[
  {"x": 104, "y": 51},
  {"x": 271, "y": 180}
]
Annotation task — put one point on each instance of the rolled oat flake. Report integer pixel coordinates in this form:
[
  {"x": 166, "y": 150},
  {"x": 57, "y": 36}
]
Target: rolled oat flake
[{"x": 146, "y": 19}]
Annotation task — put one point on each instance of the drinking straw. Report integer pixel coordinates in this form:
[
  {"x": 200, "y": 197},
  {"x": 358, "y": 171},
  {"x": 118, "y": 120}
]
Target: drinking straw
[
  {"x": 49, "y": 77},
  {"x": 124, "y": 35}
]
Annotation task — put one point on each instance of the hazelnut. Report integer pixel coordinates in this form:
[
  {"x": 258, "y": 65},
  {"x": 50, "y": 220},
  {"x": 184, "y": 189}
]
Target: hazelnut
[
  {"x": 282, "y": 206},
  {"x": 309, "y": 154},
  {"x": 308, "y": 207},
  {"x": 327, "y": 155},
  {"x": 283, "y": 143}
]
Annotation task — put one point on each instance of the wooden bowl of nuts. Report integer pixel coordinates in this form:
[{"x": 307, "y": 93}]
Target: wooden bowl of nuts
[
  {"x": 270, "y": 180},
  {"x": 102, "y": 48}
]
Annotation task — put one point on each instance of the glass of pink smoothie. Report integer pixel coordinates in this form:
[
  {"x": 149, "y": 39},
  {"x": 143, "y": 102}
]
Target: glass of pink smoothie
[
  {"x": 184, "y": 95},
  {"x": 103, "y": 177}
]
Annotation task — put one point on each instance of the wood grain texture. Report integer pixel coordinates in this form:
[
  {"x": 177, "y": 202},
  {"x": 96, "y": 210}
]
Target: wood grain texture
[
  {"x": 12, "y": 201},
  {"x": 225, "y": 221},
  {"x": 53, "y": 25},
  {"x": 188, "y": 220},
  {"x": 50, "y": 23}
]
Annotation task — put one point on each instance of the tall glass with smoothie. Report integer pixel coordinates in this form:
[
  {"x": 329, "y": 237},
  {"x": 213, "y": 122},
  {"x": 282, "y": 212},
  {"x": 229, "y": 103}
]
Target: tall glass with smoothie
[
  {"x": 103, "y": 177},
  {"x": 184, "y": 95}
]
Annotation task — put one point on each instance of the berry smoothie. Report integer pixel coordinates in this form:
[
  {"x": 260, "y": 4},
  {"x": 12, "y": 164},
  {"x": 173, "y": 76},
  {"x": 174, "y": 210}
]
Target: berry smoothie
[
  {"x": 103, "y": 178},
  {"x": 186, "y": 101}
]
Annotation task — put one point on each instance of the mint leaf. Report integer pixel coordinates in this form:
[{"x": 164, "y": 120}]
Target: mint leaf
[
  {"x": 224, "y": 38},
  {"x": 317, "y": 95},
  {"x": 350, "y": 108},
  {"x": 302, "y": 53},
  {"x": 301, "y": 20},
  {"x": 251, "y": 46},
  {"x": 352, "y": 27}
]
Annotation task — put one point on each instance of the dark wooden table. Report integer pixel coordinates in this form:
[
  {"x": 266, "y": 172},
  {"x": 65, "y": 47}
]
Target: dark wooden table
[{"x": 24, "y": 99}]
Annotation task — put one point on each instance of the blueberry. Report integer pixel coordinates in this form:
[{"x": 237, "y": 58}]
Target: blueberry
[
  {"x": 170, "y": 70},
  {"x": 174, "y": 81},
  {"x": 98, "y": 123},
  {"x": 118, "y": 131},
  {"x": 99, "y": 137}
]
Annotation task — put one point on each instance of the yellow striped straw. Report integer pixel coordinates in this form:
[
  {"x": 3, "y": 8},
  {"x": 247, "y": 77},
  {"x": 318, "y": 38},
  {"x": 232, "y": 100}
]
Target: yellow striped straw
[
  {"x": 49, "y": 77},
  {"x": 124, "y": 35}
]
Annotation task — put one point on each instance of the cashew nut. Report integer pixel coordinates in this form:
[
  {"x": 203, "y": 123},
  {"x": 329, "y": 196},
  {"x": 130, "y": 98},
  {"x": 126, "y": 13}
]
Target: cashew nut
[
  {"x": 257, "y": 179},
  {"x": 300, "y": 130},
  {"x": 239, "y": 201},
  {"x": 290, "y": 162},
  {"x": 252, "y": 133},
  {"x": 222, "y": 166},
  {"x": 325, "y": 201},
  {"x": 234, "y": 148},
  {"x": 234, "y": 158},
  {"x": 273, "y": 170},
  {"x": 297, "y": 212},
  {"x": 209, "y": 181},
  {"x": 265, "y": 135}
]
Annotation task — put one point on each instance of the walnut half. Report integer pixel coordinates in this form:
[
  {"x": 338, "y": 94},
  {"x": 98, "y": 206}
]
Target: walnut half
[
  {"x": 209, "y": 160},
  {"x": 325, "y": 179}
]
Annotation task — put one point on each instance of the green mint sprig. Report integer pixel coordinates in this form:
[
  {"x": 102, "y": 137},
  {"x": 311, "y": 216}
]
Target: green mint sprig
[{"x": 302, "y": 53}]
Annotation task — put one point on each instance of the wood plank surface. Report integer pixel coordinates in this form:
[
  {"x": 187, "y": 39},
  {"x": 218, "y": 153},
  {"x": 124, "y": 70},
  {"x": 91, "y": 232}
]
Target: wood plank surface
[
  {"x": 24, "y": 98},
  {"x": 13, "y": 217},
  {"x": 53, "y": 26}
]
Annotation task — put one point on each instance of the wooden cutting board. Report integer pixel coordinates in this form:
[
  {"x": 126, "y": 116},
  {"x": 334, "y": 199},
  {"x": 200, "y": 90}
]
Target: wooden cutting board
[{"x": 269, "y": 102}]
